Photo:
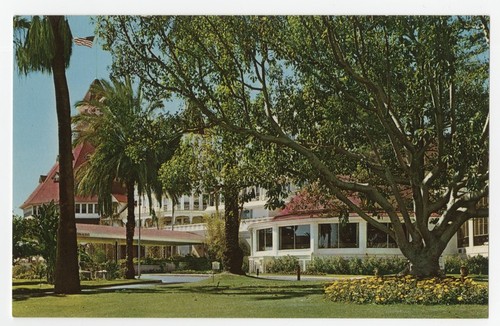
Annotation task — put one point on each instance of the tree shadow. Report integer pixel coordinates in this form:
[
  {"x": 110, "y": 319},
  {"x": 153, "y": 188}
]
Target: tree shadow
[
  {"x": 260, "y": 292},
  {"x": 20, "y": 295}
]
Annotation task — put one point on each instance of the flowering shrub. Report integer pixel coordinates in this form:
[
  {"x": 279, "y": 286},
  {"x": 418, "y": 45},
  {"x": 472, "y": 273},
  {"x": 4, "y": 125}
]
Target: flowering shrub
[{"x": 409, "y": 290}]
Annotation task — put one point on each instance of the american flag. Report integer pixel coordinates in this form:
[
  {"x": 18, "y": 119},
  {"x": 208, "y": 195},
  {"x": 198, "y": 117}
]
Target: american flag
[{"x": 84, "y": 41}]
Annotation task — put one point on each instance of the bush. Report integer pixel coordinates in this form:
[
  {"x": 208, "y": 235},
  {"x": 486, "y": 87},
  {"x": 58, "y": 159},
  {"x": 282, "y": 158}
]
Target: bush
[
  {"x": 408, "y": 290},
  {"x": 245, "y": 266},
  {"x": 283, "y": 265},
  {"x": 476, "y": 264},
  {"x": 356, "y": 266},
  {"x": 29, "y": 270},
  {"x": 115, "y": 271},
  {"x": 192, "y": 263}
]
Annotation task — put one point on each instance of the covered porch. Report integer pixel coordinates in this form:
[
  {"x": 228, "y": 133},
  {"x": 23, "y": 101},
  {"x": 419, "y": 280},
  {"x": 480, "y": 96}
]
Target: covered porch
[{"x": 164, "y": 243}]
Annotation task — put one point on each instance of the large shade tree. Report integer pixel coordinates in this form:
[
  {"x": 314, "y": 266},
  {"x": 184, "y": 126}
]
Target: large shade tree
[
  {"x": 225, "y": 166},
  {"x": 130, "y": 142},
  {"x": 44, "y": 44},
  {"x": 391, "y": 109}
]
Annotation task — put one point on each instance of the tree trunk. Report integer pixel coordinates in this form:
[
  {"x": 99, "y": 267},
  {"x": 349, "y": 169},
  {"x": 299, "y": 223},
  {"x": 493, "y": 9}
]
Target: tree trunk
[
  {"x": 233, "y": 255},
  {"x": 424, "y": 264},
  {"x": 130, "y": 271},
  {"x": 67, "y": 278}
]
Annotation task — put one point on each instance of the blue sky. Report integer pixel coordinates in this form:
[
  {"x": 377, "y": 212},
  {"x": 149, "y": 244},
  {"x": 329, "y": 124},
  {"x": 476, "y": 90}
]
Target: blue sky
[{"x": 34, "y": 114}]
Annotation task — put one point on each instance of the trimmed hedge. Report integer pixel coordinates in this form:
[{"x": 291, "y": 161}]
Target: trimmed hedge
[
  {"x": 283, "y": 265},
  {"x": 339, "y": 265},
  {"x": 356, "y": 266},
  {"x": 370, "y": 265},
  {"x": 476, "y": 264}
]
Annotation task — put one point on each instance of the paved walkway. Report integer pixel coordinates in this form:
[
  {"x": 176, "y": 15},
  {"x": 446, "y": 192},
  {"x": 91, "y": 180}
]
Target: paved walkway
[
  {"x": 294, "y": 277},
  {"x": 175, "y": 278},
  {"x": 163, "y": 278}
]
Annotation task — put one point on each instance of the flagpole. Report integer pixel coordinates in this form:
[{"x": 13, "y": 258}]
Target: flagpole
[{"x": 95, "y": 51}]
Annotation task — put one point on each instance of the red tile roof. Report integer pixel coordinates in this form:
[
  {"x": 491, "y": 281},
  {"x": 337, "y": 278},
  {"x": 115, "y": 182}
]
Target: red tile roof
[
  {"x": 48, "y": 189},
  {"x": 306, "y": 214},
  {"x": 148, "y": 236}
]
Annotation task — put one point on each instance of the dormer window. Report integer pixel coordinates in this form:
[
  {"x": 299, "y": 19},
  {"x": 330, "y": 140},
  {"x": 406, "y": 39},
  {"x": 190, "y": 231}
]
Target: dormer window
[
  {"x": 42, "y": 178},
  {"x": 56, "y": 177}
]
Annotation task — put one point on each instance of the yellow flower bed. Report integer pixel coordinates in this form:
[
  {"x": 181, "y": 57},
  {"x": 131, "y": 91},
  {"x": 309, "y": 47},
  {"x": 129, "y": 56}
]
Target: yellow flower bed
[{"x": 408, "y": 290}]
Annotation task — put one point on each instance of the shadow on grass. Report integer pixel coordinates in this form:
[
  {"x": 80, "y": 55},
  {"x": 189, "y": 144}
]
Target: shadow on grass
[
  {"x": 19, "y": 295},
  {"x": 24, "y": 293},
  {"x": 264, "y": 289},
  {"x": 29, "y": 282},
  {"x": 260, "y": 292}
]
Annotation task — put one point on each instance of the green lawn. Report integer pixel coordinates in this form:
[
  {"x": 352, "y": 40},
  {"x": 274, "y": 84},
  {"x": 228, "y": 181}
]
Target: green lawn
[{"x": 226, "y": 296}]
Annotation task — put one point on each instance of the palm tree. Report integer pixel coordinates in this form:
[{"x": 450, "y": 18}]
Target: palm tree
[
  {"x": 130, "y": 143},
  {"x": 44, "y": 44}
]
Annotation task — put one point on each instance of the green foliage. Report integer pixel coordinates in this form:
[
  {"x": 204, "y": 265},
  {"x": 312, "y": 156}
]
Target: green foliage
[
  {"x": 36, "y": 236},
  {"x": 215, "y": 236},
  {"x": 356, "y": 266},
  {"x": 283, "y": 265},
  {"x": 407, "y": 290},
  {"x": 34, "y": 43},
  {"x": 190, "y": 262},
  {"x": 392, "y": 108},
  {"x": 92, "y": 257},
  {"x": 131, "y": 141},
  {"x": 35, "y": 268},
  {"x": 23, "y": 244},
  {"x": 475, "y": 264},
  {"x": 45, "y": 225},
  {"x": 246, "y": 266}
]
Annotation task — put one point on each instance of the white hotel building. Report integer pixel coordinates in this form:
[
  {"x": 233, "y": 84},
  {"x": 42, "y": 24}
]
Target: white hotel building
[{"x": 271, "y": 234}]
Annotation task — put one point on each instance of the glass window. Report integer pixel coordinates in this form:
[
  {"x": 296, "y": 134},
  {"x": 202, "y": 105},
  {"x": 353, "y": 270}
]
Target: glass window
[
  {"x": 247, "y": 213},
  {"x": 335, "y": 235},
  {"x": 349, "y": 235},
  {"x": 265, "y": 239},
  {"x": 328, "y": 235},
  {"x": 91, "y": 208},
  {"x": 379, "y": 239},
  {"x": 84, "y": 208},
  {"x": 480, "y": 227},
  {"x": 302, "y": 237},
  {"x": 463, "y": 235},
  {"x": 77, "y": 208},
  {"x": 295, "y": 237},
  {"x": 287, "y": 236}
]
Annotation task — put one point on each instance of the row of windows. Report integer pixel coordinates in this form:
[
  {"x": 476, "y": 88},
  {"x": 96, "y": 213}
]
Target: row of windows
[
  {"x": 480, "y": 236},
  {"x": 335, "y": 235},
  {"x": 257, "y": 192},
  {"x": 81, "y": 208},
  {"x": 331, "y": 235}
]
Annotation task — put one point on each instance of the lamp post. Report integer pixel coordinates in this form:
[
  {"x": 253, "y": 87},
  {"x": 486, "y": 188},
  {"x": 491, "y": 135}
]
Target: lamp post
[{"x": 139, "y": 243}]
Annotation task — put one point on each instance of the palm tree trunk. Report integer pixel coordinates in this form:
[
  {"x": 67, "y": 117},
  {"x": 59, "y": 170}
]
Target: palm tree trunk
[
  {"x": 130, "y": 272},
  {"x": 67, "y": 278}
]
